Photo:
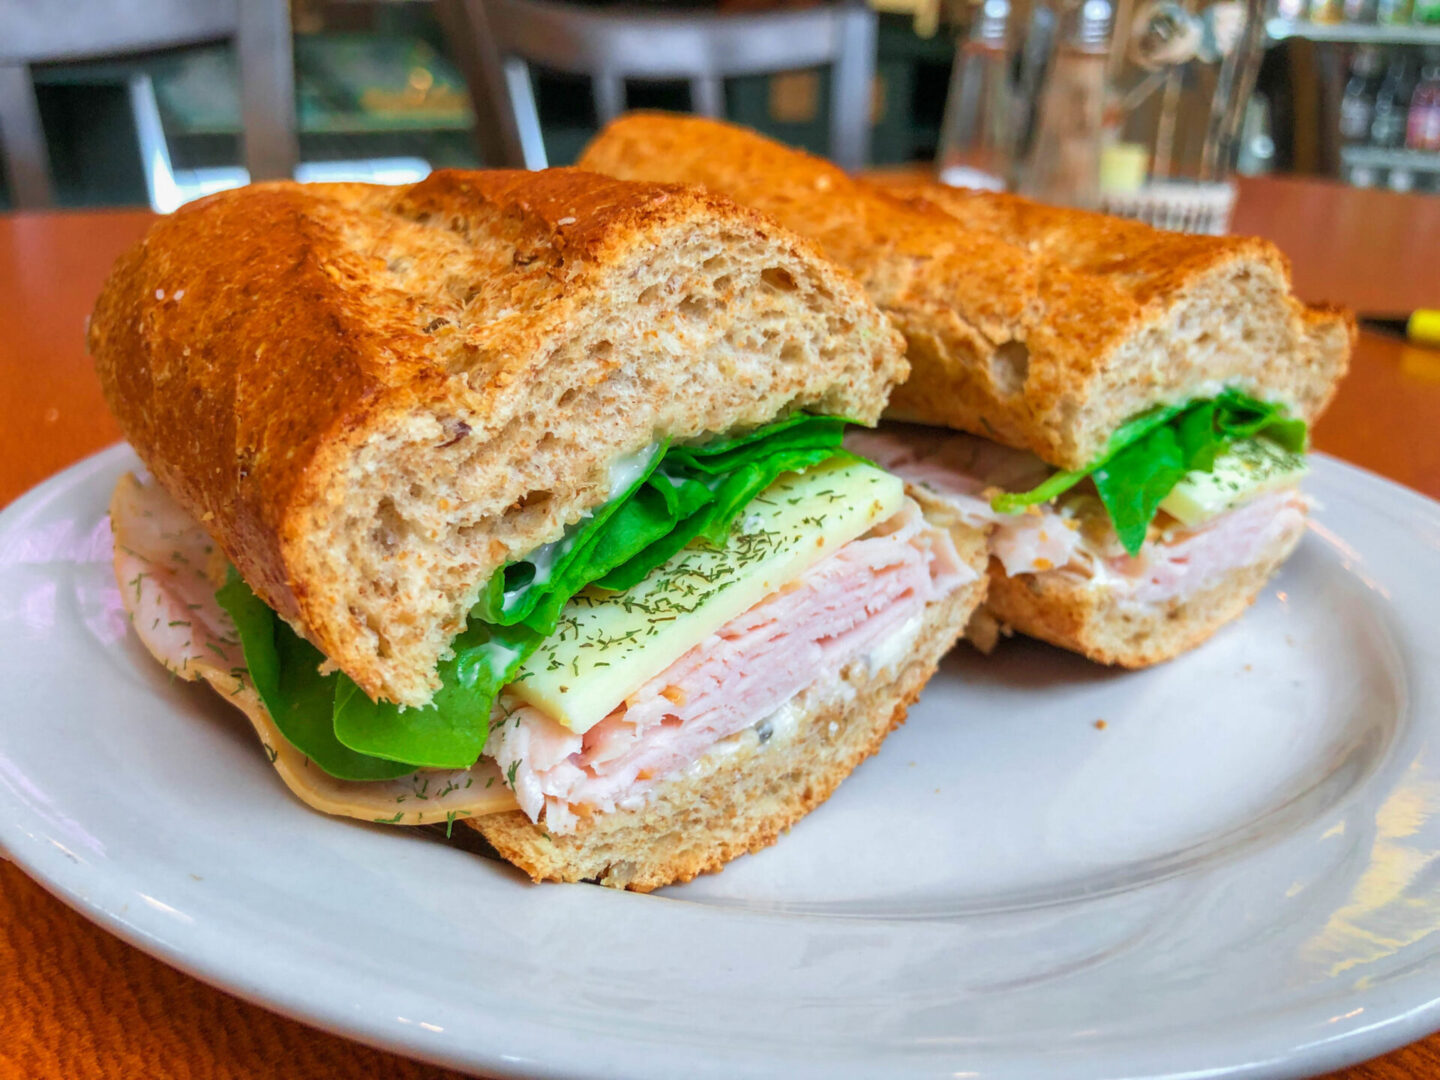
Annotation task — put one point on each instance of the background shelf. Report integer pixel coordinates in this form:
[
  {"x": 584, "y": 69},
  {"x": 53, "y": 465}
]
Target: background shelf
[
  {"x": 1376, "y": 157},
  {"x": 1359, "y": 33}
]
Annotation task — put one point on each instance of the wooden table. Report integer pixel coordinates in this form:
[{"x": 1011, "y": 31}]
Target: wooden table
[{"x": 76, "y": 1002}]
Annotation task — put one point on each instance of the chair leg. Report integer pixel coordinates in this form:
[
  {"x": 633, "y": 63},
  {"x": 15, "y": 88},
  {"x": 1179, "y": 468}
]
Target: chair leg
[
  {"x": 707, "y": 96},
  {"x": 527, "y": 116},
  {"x": 491, "y": 116},
  {"x": 165, "y": 194},
  {"x": 22, "y": 139},
  {"x": 608, "y": 92},
  {"x": 850, "y": 87},
  {"x": 507, "y": 128},
  {"x": 267, "y": 88}
]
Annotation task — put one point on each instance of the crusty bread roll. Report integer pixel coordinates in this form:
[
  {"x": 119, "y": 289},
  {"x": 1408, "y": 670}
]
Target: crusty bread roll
[
  {"x": 700, "y": 820},
  {"x": 1194, "y": 276},
  {"x": 1148, "y": 266},
  {"x": 1040, "y": 328},
  {"x": 374, "y": 397}
]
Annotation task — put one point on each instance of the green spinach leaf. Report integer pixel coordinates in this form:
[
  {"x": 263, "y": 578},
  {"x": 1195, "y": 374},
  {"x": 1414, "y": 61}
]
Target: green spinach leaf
[
  {"x": 285, "y": 670},
  {"x": 450, "y": 732},
  {"x": 711, "y": 520},
  {"x": 1151, "y": 453}
]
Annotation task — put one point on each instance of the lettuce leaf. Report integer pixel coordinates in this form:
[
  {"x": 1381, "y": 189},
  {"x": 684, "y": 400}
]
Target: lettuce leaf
[
  {"x": 1150, "y": 453},
  {"x": 285, "y": 670},
  {"x": 683, "y": 492},
  {"x": 450, "y": 732},
  {"x": 515, "y": 592}
]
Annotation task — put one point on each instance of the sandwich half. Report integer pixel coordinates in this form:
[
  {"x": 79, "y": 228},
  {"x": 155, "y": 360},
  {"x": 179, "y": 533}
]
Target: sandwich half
[
  {"x": 519, "y": 501},
  {"x": 1128, "y": 408}
]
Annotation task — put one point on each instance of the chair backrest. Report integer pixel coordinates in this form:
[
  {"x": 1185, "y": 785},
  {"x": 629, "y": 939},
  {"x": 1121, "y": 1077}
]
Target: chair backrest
[
  {"x": 700, "y": 47},
  {"x": 43, "y": 31},
  {"x": 53, "y": 31}
]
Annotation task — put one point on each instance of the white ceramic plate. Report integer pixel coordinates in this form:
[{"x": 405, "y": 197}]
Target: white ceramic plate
[{"x": 1239, "y": 874}]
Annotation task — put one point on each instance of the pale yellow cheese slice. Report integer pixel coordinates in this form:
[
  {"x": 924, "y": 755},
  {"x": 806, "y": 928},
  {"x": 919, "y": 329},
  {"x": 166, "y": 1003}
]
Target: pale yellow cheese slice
[
  {"x": 1242, "y": 471},
  {"x": 608, "y": 645}
]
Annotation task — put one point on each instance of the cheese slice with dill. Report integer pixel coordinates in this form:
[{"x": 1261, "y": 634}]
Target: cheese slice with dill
[
  {"x": 607, "y": 645},
  {"x": 1243, "y": 470}
]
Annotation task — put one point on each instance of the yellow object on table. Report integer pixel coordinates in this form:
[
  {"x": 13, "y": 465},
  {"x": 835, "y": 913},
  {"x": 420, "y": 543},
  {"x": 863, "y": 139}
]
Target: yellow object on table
[
  {"x": 1423, "y": 327},
  {"x": 926, "y": 13},
  {"x": 1124, "y": 166}
]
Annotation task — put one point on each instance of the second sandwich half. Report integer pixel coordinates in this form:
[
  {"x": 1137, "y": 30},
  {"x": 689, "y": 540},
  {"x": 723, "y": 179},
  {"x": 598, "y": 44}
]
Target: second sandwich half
[
  {"x": 520, "y": 500},
  {"x": 1125, "y": 410}
]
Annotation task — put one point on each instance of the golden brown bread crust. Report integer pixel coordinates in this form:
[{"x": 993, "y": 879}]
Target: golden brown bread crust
[
  {"x": 1055, "y": 607},
  {"x": 1144, "y": 263},
  {"x": 373, "y": 397},
  {"x": 1151, "y": 268},
  {"x": 939, "y": 283},
  {"x": 1007, "y": 338},
  {"x": 173, "y": 374},
  {"x": 695, "y": 825}
]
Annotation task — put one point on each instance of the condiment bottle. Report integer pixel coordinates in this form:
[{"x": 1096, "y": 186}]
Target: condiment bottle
[
  {"x": 1393, "y": 12},
  {"x": 1357, "y": 107},
  {"x": 1392, "y": 105},
  {"x": 1422, "y": 130}
]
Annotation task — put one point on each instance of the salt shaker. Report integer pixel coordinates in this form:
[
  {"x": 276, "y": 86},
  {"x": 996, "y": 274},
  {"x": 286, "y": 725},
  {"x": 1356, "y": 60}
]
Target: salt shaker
[{"x": 1064, "y": 162}]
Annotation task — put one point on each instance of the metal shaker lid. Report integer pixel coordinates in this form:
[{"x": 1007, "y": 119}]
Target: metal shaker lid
[
  {"x": 1088, "y": 24},
  {"x": 992, "y": 23}
]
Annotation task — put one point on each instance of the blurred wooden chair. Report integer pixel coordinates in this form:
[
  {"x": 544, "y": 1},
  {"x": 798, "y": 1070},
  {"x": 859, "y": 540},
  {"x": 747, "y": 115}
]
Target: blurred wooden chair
[
  {"x": 496, "y": 41},
  {"x": 59, "y": 31}
]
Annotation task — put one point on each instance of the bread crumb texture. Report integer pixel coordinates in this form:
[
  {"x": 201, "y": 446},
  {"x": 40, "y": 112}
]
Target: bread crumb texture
[
  {"x": 375, "y": 396},
  {"x": 1040, "y": 327}
]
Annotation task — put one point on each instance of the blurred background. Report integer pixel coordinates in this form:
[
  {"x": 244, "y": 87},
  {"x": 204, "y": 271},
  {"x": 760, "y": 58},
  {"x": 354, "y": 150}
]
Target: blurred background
[{"x": 1144, "y": 107}]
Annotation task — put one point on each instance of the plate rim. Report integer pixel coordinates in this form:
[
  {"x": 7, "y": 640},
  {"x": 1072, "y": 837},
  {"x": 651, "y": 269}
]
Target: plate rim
[{"x": 64, "y": 879}]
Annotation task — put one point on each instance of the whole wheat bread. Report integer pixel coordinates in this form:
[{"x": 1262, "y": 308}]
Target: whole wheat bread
[
  {"x": 374, "y": 397},
  {"x": 1037, "y": 327}
]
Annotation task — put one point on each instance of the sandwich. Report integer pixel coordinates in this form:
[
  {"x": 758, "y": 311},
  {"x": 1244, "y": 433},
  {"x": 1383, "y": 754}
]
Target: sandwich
[
  {"x": 1124, "y": 410},
  {"x": 518, "y": 502}
]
